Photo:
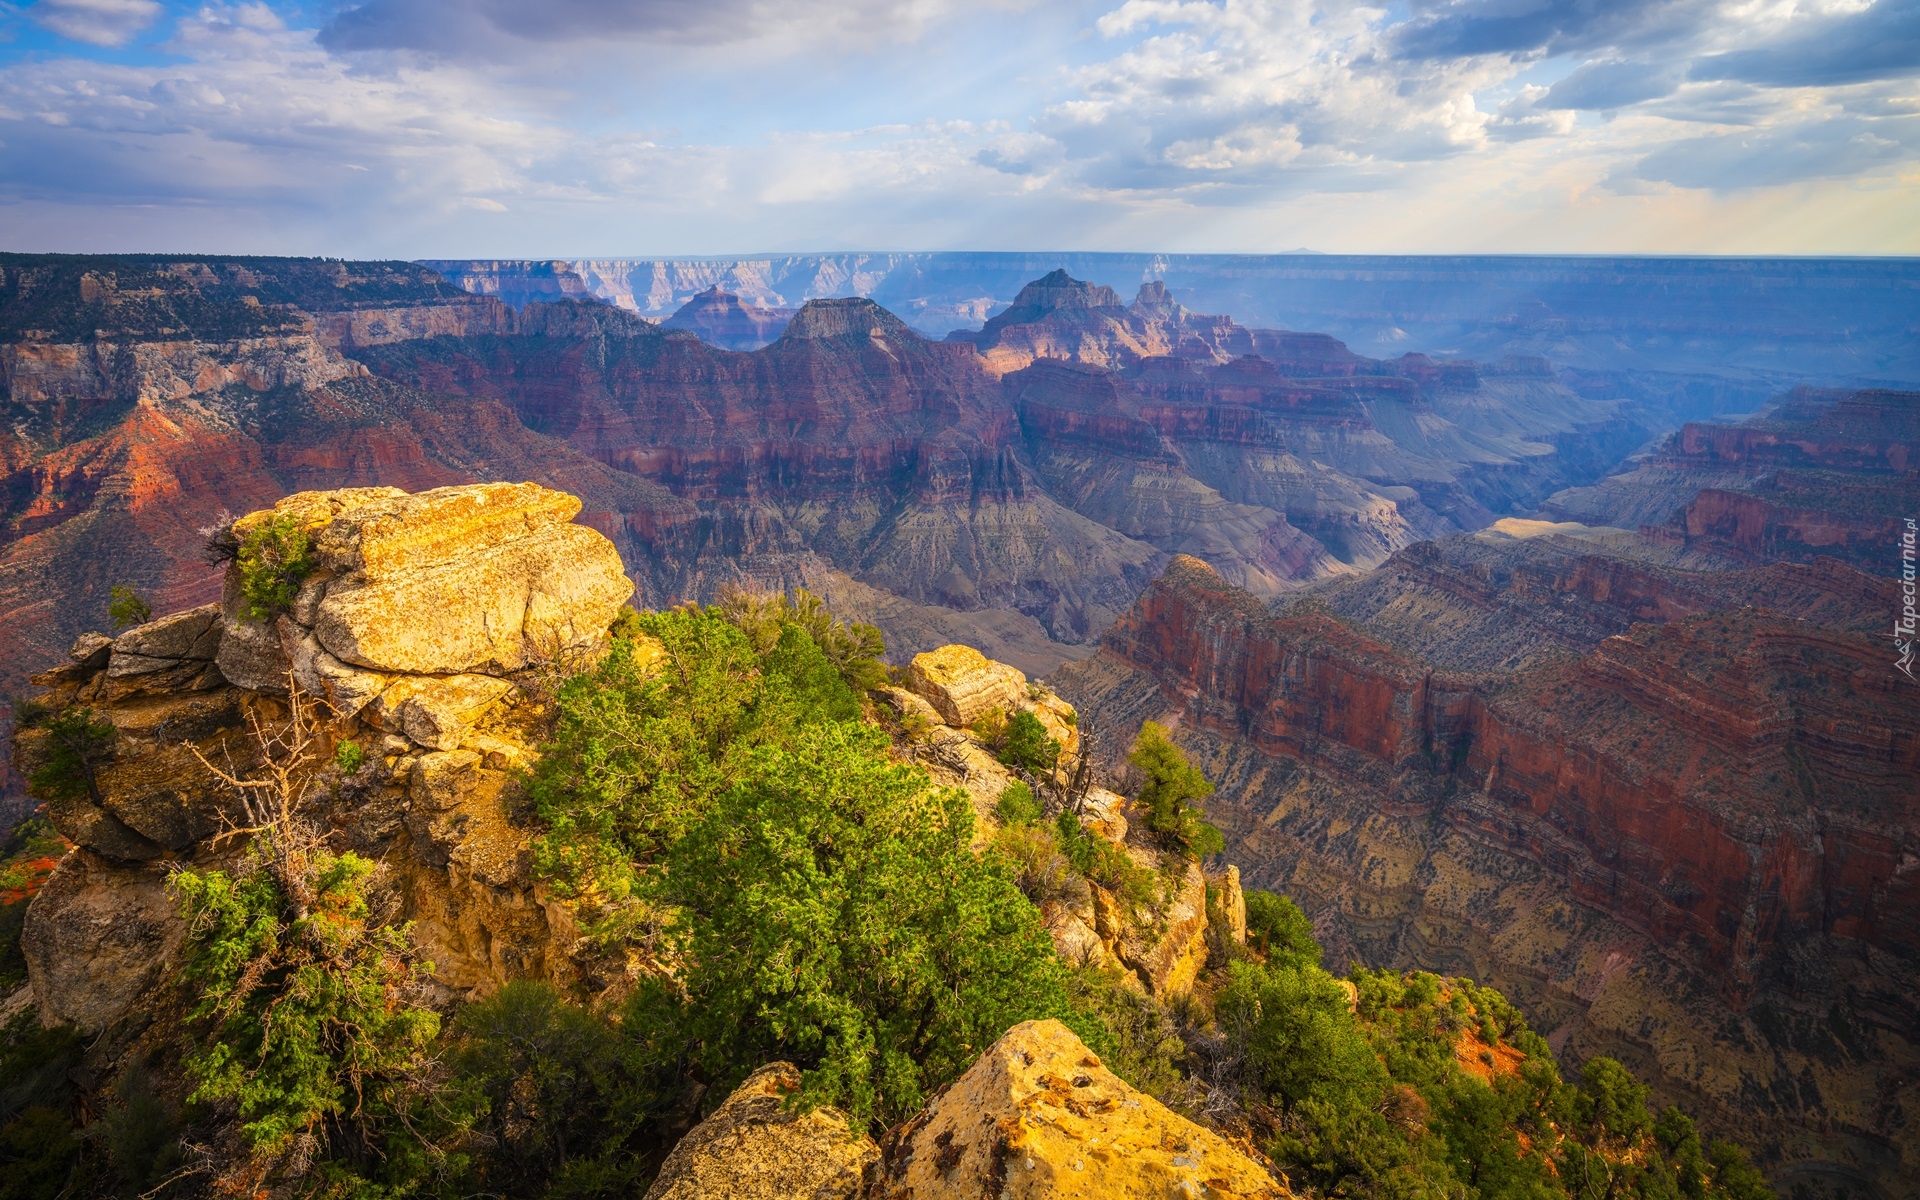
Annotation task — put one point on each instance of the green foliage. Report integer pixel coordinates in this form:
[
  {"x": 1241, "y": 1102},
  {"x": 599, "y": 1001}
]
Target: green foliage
[
  {"x": 561, "y": 1097},
  {"x": 1172, "y": 785},
  {"x": 1017, "y": 805},
  {"x": 126, "y": 608},
  {"x": 1040, "y": 870},
  {"x": 274, "y": 557},
  {"x": 1100, "y": 861},
  {"x": 853, "y": 648},
  {"x": 308, "y": 1029},
  {"x": 1027, "y": 745},
  {"x": 78, "y": 744},
  {"x": 832, "y": 914},
  {"x": 348, "y": 756},
  {"x": 1279, "y": 930}
]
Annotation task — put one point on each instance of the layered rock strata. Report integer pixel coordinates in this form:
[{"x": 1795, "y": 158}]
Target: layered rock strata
[{"x": 1683, "y": 844}]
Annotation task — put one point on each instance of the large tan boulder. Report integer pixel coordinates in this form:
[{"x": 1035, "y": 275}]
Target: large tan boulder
[
  {"x": 481, "y": 578},
  {"x": 963, "y": 684},
  {"x": 1038, "y": 1116},
  {"x": 755, "y": 1148}
]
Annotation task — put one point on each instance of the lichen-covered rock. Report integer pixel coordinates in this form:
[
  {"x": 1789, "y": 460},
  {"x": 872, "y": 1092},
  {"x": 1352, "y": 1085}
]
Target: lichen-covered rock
[
  {"x": 754, "y": 1148},
  {"x": 1038, "y": 1116},
  {"x": 437, "y": 711},
  {"x": 963, "y": 684},
  {"x": 484, "y": 578},
  {"x": 100, "y": 933}
]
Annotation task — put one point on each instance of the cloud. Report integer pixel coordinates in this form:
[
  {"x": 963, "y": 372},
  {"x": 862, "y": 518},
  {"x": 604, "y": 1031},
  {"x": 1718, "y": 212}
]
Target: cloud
[
  {"x": 502, "y": 28},
  {"x": 1259, "y": 93},
  {"x": 1465, "y": 28},
  {"x": 1881, "y": 42},
  {"x": 1611, "y": 83},
  {"x": 96, "y": 22},
  {"x": 1834, "y": 148}
]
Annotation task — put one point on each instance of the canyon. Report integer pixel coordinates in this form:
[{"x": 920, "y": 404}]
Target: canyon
[{"x": 1520, "y": 666}]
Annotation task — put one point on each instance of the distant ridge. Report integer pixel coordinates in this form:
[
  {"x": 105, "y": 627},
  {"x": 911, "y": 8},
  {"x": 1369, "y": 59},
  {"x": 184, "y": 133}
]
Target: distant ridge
[{"x": 1740, "y": 328}]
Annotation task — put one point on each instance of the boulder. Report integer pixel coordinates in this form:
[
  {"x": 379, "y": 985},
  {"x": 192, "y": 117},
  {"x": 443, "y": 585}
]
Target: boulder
[
  {"x": 755, "y": 1148},
  {"x": 192, "y": 634},
  {"x": 97, "y": 936},
  {"x": 963, "y": 684},
  {"x": 1038, "y": 1116},
  {"x": 906, "y": 705},
  {"x": 481, "y": 578},
  {"x": 436, "y": 711}
]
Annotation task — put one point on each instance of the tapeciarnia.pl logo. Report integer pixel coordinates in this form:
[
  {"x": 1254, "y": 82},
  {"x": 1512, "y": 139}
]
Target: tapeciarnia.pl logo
[{"x": 1903, "y": 625}]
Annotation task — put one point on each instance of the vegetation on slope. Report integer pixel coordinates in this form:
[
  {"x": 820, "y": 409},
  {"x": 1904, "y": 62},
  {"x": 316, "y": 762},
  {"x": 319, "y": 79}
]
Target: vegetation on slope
[{"x": 719, "y": 812}]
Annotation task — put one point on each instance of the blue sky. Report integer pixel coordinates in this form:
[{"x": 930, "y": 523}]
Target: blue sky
[{"x": 576, "y": 128}]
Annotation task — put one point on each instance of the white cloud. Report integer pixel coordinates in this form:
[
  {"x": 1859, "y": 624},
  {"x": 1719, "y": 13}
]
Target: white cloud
[
  {"x": 96, "y": 22},
  {"x": 1184, "y": 124}
]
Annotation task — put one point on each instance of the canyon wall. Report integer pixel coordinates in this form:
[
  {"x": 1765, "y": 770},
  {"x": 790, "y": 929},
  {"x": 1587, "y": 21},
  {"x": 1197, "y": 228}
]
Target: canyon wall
[{"x": 1687, "y": 843}]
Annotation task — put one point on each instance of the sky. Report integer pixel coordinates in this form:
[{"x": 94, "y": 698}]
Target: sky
[{"x": 643, "y": 128}]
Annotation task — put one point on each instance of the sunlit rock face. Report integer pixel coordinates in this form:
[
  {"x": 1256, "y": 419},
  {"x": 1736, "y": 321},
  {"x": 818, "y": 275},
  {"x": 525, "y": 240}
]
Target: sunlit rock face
[{"x": 473, "y": 587}]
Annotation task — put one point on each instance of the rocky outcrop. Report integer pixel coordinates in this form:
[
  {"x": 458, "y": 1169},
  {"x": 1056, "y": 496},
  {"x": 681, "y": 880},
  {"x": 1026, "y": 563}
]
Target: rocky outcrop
[
  {"x": 1162, "y": 947},
  {"x": 963, "y": 685},
  {"x": 473, "y": 585},
  {"x": 720, "y": 319},
  {"x": 1679, "y": 844},
  {"x": 1039, "y": 1116},
  {"x": 755, "y": 1146}
]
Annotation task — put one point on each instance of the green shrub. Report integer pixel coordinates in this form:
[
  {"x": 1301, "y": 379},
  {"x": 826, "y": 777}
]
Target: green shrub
[
  {"x": 562, "y": 1098},
  {"x": 78, "y": 744},
  {"x": 1278, "y": 929},
  {"x": 348, "y": 756},
  {"x": 126, "y": 608},
  {"x": 1017, "y": 805},
  {"x": 1040, "y": 870},
  {"x": 852, "y": 647},
  {"x": 1027, "y": 745},
  {"x": 273, "y": 558},
  {"x": 832, "y": 914},
  {"x": 308, "y": 1031},
  {"x": 1100, "y": 861},
  {"x": 1172, "y": 785}
]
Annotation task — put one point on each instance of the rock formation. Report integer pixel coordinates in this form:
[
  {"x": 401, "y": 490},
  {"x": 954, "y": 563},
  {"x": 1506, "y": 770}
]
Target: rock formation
[
  {"x": 721, "y": 319},
  {"x": 904, "y": 479},
  {"x": 425, "y": 681},
  {"x": 1821, "y": 474},
  {"x": 1039, "y": 1118},
  {"x": 1678, "y": 842},
  {"x": 755, "y": 1147}
]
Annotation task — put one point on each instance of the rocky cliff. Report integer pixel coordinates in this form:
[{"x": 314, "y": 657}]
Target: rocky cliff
[
  {"x": 1821, "y": 473},
  {"x": 1677, "y": 823}
]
